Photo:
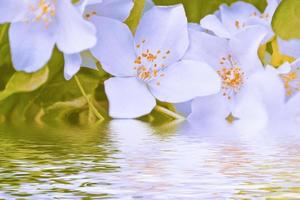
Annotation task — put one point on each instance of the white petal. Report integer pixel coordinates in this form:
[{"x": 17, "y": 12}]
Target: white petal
[
  {"x": 116, "y": 9},
  {"x": 184, "y": 108},
  {"x": 81, "y": 6},
  {"x": 251, "y": 113},
  {"x": 207, "y": 48},
  {"x": 211, "y": 108},
  {"x": 213, "y": 23},
  {"x": 237, "y": 13},
  {"x": 271, "y": 8},
  {"x": 72, "y": 65},
  {"x": 292, "y": 109},
  {"x": 289, "y": 47},
  {"x": 31, "y": 46},
  {"x": 74, "y": 34},
  {"x": 244, "y": 46},
  {"x": 12, "y": 10},
  {"x": 128, "y": 98},
  {"x": 267, "y": 86},
  {"x": 184, "y": 81},
  {"x": 164, "y": 29},
  {"x": 114, "y": 48}
]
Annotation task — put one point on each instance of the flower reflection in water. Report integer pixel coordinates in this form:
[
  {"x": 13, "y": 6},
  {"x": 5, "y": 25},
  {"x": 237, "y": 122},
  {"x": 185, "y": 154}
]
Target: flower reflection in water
[{"x": 131, "y": 159}]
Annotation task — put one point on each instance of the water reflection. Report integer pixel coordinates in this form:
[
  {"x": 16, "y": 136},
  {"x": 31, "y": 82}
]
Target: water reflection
[{"x": 131, "y": 159}]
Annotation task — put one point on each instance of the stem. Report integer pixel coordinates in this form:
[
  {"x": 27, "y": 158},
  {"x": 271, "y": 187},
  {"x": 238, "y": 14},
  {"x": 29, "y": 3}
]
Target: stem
[
  {"x": 92, "y": 107},
  {"x": 168, "y": 112},
  {"x": 3, "y": 31}
]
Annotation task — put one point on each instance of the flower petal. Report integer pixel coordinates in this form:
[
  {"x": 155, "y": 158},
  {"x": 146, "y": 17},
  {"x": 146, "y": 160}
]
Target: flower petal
[
  {"x": 250, "y": 110},
  {"x": 72, "y": 65},
  {"x": 12, "y": 10},
  {"x": 235, "y": 15},
  {"x": 289, "y": 47},
  {"x": 292, "y": 109},
  {"x": 116, "y": 9},
  {"x": 31, "y": 46},
  {"x": 163, "y": 29},
  {"x": 128, "y": 98},
  {"x": 184, "y": 108},
  {"x": 271, "y": 8},
  {"x": 81, "y": 6},
  {"x": 268, "y": 87},
  {"x": 213, "y": 23},
  {"x": 114, "y": 48},
  {"x": 212, "y": 108},
  {"x": 244, "y": 46},
  {"x": 207, "y": 48},
  {"x": 184, "y": 81},
  {"x": 74, "y": 34}
]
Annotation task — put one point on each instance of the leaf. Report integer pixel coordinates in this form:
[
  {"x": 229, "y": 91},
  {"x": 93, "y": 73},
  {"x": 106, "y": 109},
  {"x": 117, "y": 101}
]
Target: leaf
[
  {"x": 286, "y": 19},
  {"x": 24, "y": 82},
  {"x": 197, "y": 9},
  {"x": 135, "y": 15}
]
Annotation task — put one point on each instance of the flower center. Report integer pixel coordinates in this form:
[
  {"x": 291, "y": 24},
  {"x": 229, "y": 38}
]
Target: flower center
[
  {"x": 238, "y": 24},
  {"x": 89, "y": 15},
  {"x": 44, "y": 11},
  {"x": 232, "y": 77},
  {"x": 264, "y": 16},
  {"x": 291, "y": 82},
  {"x": 149, "y": 65}
]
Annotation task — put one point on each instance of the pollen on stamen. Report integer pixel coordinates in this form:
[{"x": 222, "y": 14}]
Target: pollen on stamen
[
  {"x": 237, "y": 24},
  {"x": 291, "y": 82},
  {"x": 232, "y": 80}
]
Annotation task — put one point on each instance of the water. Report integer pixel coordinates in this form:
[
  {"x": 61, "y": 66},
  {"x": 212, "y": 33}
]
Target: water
[{"x": 135, "y": 160}]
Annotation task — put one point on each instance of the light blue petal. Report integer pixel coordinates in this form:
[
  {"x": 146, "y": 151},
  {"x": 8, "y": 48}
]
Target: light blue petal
[
  {"x": 128, "y": 98},
  {"x": 185, "y": 80},
  {"x": 244, "y": 46},
  {"x": 74, "y": 34},
  {"x": 72, "y": 65},
  {"x": 115, "y": 47},
  {"x": 116, "y": 9},
  {"x": 214, "y": 24},
  {"x": 31, "y": 45},
  {"x": 12, "y": 10},
  {"x": 207, "y": 48},
  {"x": 163, "y": 29}
]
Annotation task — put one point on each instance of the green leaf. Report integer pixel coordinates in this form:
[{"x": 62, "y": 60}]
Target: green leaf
[
  {"x": 24, "y": 82},
  {"x": 135, "y": 15},
  {"x": 286, "y": 20},
  {"x": 197, "y": 9}
]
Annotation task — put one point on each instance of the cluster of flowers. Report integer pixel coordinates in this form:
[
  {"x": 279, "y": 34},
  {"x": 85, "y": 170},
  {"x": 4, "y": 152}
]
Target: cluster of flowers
[{"x": 213, "y": 67}]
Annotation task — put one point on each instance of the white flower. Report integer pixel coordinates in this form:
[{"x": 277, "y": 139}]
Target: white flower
[
  {"x": 289, "y": 74},
  {"x": 230, "y": 20},
  {"x": 37, "y": 25},
  {"x": 237, "y": 63},
  {"x": 116, "y": 9},
  {"x": 289, "y": 47},
  {"x": 149, "y": 65}
]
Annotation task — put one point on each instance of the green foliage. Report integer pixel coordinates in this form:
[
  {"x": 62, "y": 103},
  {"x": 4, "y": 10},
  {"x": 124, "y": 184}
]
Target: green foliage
[
  {"x": 136, "y": 13},
  {"x": 197, "y": 9},
  {"x": 24, "y": 82},
  {"x": 286, "y": 19}
]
